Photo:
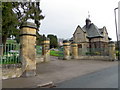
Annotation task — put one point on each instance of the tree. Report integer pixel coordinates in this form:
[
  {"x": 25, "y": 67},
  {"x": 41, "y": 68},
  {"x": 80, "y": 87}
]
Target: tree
[
  {"x": 15, "y": 14},
  {"x": 40, "y": 38},
  {"x": 28, "y": 10},
  {"x": 9, "y": 21},
  {"x": 53, "y": 40}
]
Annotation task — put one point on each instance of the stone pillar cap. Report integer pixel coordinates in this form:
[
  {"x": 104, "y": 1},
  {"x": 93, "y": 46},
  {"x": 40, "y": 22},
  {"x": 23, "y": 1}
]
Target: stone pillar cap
[
  {"x": 65, "y": 41},
  {"x": 29, "y": 24},
  {"x": 74, "y": 43}
]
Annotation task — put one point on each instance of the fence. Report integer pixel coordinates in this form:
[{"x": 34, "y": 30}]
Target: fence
[
  {"x": 39, "y": 50},
  {"x": 60, "y": 53},
  {"x": 93, "y": 51},
  {"x": 10, "y": 55},
  {"x": 57, "y": 52}
]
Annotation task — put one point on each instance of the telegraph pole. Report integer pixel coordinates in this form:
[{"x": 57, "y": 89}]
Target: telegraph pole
[{"x": 117, "y": 32}]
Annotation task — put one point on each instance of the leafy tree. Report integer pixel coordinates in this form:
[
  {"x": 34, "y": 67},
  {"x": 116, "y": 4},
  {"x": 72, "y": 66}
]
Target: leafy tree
[
  {"x": 40, "y": 38},
  {"x": 9, "y": 21},
  {"x": 14, "y": 14},
  {"x": 28, "y": 10},
  {"x": 53, "y": 41}
]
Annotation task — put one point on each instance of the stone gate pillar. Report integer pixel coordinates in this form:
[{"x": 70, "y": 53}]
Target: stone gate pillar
[
  {"x": 46, "y": 50},
  {"x": 74, "y": 47},
  {"x": 27, "y": 48},
  {"x": 66, "y": 45},
  {"x": 112, "y": 53}
]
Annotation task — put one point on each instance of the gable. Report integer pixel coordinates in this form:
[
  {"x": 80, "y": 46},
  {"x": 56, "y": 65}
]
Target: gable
[
  {"x": 79, "y": 35},
  {"x": 78, "y": 30},
  {"x": 105, "y": 30}
]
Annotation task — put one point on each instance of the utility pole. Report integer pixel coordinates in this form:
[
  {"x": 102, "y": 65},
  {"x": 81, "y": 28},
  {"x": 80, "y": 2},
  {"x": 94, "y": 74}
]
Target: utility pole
[
  {"x": 117, "y": 35},
  {"x": 119, "y": 29}
]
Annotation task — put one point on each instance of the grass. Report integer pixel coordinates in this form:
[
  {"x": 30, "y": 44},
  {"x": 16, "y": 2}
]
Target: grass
[
  {"x": 11, "y": 41},
  {"x": 10, "y": 59},
  {"x": 13, "y": 57},
  {"x": 56, "y": 53},
  {"x": 52, "y": 52},
  {"x": 10, "y": 62}
]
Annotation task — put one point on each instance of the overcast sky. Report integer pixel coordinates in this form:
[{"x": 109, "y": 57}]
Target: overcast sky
[{"x": 63, "y": 16}]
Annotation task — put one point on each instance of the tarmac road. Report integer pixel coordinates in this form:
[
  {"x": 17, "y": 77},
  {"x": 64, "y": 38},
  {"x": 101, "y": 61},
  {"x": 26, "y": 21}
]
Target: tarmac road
[
  {"x": 106, "y": 78},
  {"x": 58, "y": 71}
]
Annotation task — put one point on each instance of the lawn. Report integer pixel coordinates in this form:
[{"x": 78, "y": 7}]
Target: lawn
[
  {"x": 52, "y": 52},
  {"x": 10, "y": 58},
  {"x": 56, "y": 53}
]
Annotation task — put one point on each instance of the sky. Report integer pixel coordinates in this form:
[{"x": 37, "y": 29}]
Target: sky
[{"x": 63, "y": 16}]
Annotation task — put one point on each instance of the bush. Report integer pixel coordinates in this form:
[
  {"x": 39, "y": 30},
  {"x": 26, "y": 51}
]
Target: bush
[
  {"x": 117, "y": 52},
  {"x": 97, "y": 53},
  {"x": 89, "y": 53}
]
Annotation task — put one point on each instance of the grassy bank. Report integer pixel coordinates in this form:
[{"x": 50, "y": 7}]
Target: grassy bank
[{"x": 56, "y": 53}]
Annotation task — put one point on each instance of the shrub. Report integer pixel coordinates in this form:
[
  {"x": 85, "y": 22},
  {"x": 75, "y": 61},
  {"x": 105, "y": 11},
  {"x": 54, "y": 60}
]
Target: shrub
[{"x": 117, "y": 52}]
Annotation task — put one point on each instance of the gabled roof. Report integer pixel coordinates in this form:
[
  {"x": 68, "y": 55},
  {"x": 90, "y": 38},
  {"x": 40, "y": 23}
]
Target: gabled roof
[
  {"x": 77, "y": 29},
  {"x": 92, "y": 31},
  {"x": 105, "y": 29}
]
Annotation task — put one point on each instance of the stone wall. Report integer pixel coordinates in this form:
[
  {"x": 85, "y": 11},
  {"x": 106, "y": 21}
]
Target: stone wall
[
  {"x": 105, "y": 39},
  {"x": 79, "y": 35},
  {"x": 11, "y": 73},
  {"x": 66, "y": 45},
  {"x": 46, "y": 50}
]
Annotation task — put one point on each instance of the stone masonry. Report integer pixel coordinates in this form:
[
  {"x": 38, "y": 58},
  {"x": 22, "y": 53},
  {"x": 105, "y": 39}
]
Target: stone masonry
[
  {"x": 45, "y": 50},
  {"x": 66, "y": 45},
  {"x": 27, "y": 49}
]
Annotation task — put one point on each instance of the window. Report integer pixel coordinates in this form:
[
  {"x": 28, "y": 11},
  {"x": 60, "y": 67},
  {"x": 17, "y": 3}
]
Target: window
[
  {"x": 79, "y": 46},
  {"x": 95, "y": 45},
  {"x": 101, "y": 32}
]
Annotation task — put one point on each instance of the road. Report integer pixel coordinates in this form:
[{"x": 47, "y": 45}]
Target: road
[
  {"x": 106, "y": 78},
  {"x": 58, "y": 71}
]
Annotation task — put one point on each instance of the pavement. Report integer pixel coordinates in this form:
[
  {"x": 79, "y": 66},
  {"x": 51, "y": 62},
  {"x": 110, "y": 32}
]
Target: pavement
[{"x": 58, "y": 71}]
